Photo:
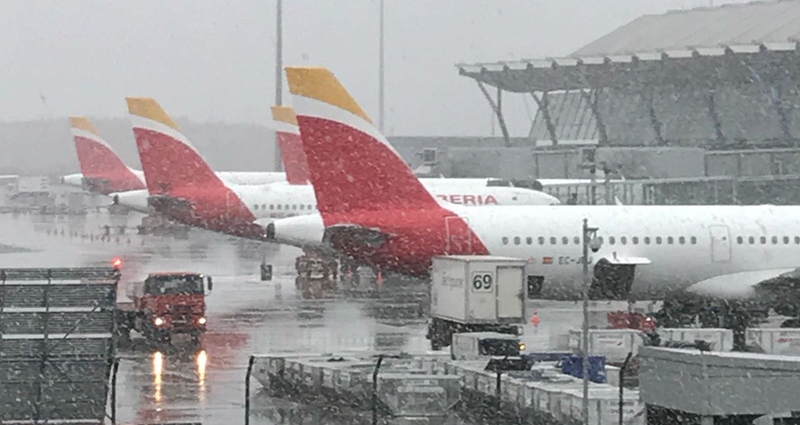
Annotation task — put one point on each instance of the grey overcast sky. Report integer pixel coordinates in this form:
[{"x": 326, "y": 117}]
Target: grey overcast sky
[{"x": 214, "y": 60}]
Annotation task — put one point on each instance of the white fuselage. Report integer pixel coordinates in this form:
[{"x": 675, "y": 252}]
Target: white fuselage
[
  {"x": 683, "y": 244},
  {"x": 700, "y": 248},
  {"x": 278, "y": 200}
]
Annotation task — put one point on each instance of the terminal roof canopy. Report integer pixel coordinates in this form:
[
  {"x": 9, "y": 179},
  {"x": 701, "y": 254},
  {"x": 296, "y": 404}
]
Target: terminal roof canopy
[{"x": 654, "y": 44}]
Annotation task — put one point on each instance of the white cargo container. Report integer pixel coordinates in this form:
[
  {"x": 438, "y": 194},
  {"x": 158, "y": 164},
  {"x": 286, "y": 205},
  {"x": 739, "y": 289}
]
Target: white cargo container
[
  {"x": 614, "y": 344},
  {"x": 476, "y": 293},
  {"x": 782, "y": 341},
  {"x": 548, "y": 395},
  {"x": 719, "y": 339},
  {"x": 603, "y": 406}
]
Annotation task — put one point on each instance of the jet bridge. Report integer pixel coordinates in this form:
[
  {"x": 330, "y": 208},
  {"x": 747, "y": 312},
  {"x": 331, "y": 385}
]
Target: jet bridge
[{"x": 56, "y": 344}]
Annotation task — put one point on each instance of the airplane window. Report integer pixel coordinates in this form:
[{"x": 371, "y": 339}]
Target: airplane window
[
  {"x": 623, "y": 240},
  {"x": 786, "y": 240},
  {"x": 635, "y": 240},
  {"x": 294, "y": 207},
  {"x": 541, "y": 240},
  {"x": 529, "y": 240},
  {"x": 516, "y": 240},
  {"x": 255, "y": 207},
  {"x": 279, "y": 207},
  {"x": 774, "y": 240},
  {"x": 271, "y": 206},
  {"x": 600, "y": 239},
  {"x": 611, "y": 240},
  {"x": 577, "y": 240},
  {"x": 647, "y": 240},
  {"x": 302, "y": 206},
  {"x": 739, "y": 240},
  {"x": 763, "y": 240},
  {"x": 565, "y": 240},
  {"x": 694, "y": 240},
  {"x": 797, "y": 240},
  {"x": 658, "y": 240},
  {"x": 752, "y": 240},
  {"x": 553, "y": 240},
  {"x": 287, "y": 206},
  {"x": 669, "y": 240},
  {"x": 682, "y": 240},
  {"x": 505, "y": 240}
]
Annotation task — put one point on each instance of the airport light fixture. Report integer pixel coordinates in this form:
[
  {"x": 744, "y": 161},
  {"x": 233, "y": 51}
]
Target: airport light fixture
[{"x": 590, "y": 240}]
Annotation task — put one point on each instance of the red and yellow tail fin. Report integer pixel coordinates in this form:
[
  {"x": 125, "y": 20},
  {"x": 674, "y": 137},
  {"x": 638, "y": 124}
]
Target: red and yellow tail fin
[
  {"x": 351, "y": 164},
  {"x": 98, "y": 161},
  {"x": 168, "y": 159},
  {"x": 287, "y": 136}
]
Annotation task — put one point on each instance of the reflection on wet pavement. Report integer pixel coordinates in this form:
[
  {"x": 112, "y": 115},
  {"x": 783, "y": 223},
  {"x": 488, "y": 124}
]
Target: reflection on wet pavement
[{"x": 205, "y": 383}]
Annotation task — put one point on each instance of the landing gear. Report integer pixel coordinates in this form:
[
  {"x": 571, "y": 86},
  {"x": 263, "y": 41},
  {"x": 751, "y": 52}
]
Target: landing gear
[
  {"x": 611, "y": 281},
  {"x": 316, "y": 274}
]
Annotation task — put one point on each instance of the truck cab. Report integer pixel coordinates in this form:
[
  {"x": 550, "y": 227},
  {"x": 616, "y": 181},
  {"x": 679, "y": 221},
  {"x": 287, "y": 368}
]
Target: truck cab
[
  {"x": 169, "y": 303},
  {"x": 479, "y": 345}
]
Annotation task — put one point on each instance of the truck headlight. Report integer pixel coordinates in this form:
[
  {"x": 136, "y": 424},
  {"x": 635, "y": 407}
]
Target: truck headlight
[
  {"x": 201, "y": 320},
  {"x": 158, "y": 321},
  {"x": 521, "y": 346}
]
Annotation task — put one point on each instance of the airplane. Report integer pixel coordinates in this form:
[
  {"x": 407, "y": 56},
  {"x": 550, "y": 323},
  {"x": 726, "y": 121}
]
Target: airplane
[
  {"x": 102, "y": 171},
  {"x": 722, "y": 251},
  {"x": 184, "y": 188}
]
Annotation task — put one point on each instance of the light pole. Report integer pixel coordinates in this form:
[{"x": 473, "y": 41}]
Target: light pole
[
  {"x": 589, "y": 240},
  {"x": 278, "y": 73},
  {"x": 380, "y": 71}
]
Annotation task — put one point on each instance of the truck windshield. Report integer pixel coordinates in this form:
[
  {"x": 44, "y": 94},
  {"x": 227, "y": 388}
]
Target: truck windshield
[
  {"x": 498, "y": 347},
  {"x": 177, "y": 284}
]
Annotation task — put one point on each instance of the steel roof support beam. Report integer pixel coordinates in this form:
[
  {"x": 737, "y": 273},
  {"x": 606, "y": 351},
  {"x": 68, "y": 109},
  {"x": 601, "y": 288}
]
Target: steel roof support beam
[
  {"x": 650, "y": 98},
  {"x": 543, "y": 104},
  {"x": 591, "y": 98},
  {"x": 592, "y": 101},
  {"x": 712, "y": 113},
  {"x": 497, "y": 107}
]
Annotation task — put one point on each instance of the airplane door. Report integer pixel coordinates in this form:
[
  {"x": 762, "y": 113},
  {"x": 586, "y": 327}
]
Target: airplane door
[
  {"x": 459, "y": 237},
  {"x": 720, "y": 243}
]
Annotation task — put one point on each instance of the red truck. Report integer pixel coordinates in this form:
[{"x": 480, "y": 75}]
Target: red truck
[{"x": 165, "y": 304}]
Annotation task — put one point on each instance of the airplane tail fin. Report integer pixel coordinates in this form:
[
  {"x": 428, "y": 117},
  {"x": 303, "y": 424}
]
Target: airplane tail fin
[
  {"x": 352, "y": 165},
  {"x": 287, "y": 136},
  {"x": 97, "y": 160},
  {"x": 168, "y": 159}
]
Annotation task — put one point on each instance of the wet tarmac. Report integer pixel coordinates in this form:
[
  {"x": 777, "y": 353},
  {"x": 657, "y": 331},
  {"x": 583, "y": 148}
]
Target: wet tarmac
[{"x": 206, "y": 383}]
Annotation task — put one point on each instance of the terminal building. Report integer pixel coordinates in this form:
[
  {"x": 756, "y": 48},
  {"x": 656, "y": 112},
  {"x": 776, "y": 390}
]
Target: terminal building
[{"x": 690, "y": 107}]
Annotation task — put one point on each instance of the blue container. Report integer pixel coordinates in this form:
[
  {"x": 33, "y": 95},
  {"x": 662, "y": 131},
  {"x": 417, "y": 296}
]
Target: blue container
[{"x": 573, "y": 366}]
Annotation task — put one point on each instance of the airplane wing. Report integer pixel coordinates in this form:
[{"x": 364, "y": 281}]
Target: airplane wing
[
  {"x": 629, "y": 261},
  {"x": 744, "y": 284}
]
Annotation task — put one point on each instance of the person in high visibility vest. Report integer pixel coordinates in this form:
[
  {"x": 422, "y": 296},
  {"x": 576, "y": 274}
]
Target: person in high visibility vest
[{"x": 535, "y": 319}]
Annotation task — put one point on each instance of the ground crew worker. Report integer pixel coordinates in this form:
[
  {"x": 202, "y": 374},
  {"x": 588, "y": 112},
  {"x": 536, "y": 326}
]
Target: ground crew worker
[
  {"x": 535, "y": 319},
  {"x": 573, "y": 199}
]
